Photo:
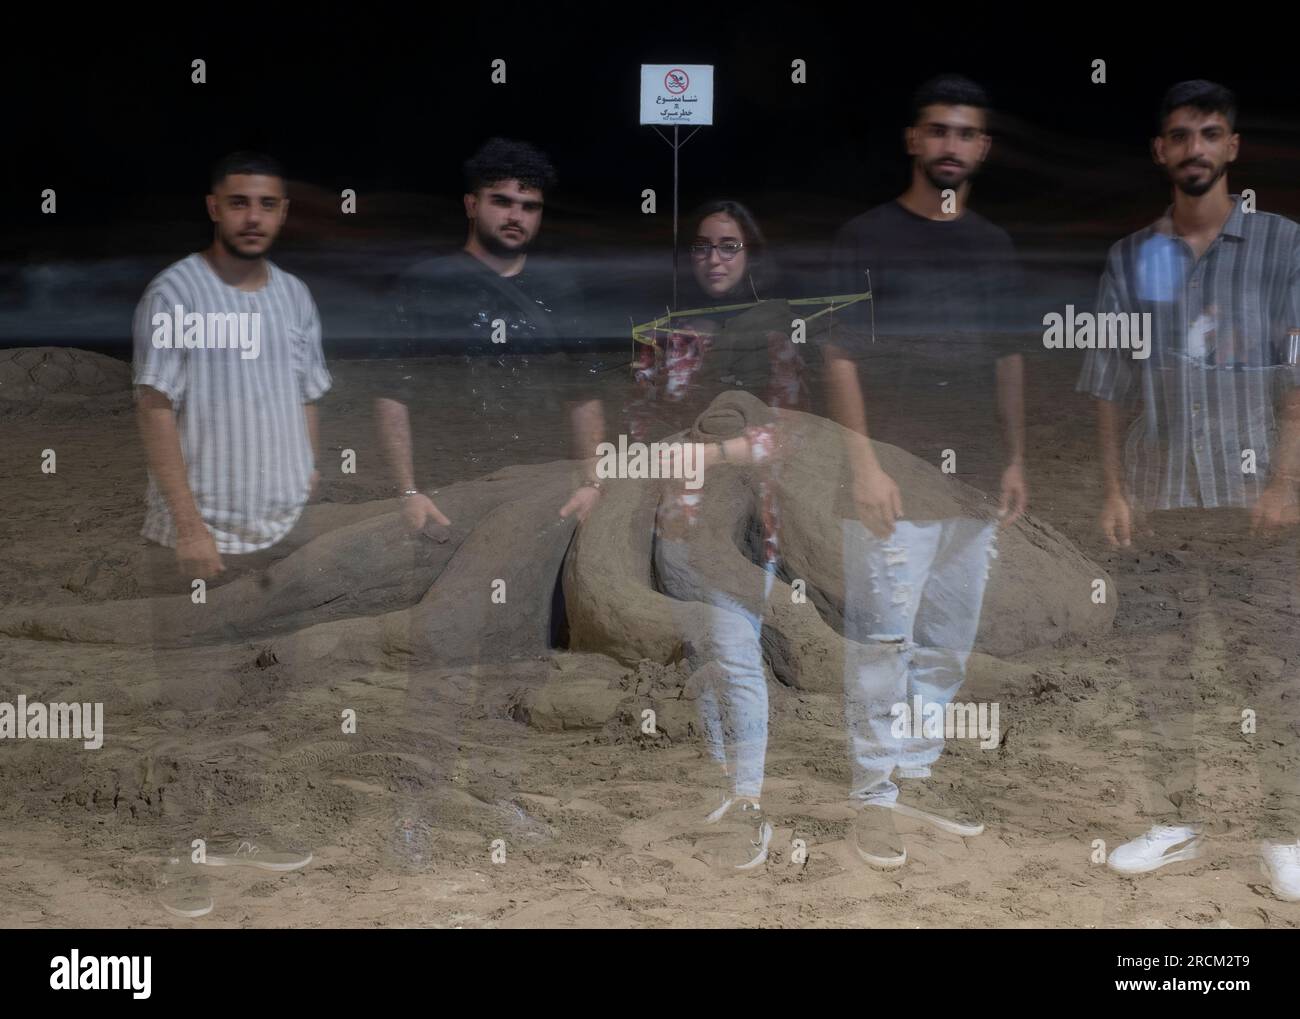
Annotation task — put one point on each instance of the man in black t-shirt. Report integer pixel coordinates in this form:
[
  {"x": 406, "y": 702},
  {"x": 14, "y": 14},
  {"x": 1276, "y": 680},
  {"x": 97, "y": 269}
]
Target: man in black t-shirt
[
  {"x": 492, "y": 303},
  {"x": 945, "y": 279},
  {"x": 488, "y": 302},
  {"x": 459, "y": 303}
]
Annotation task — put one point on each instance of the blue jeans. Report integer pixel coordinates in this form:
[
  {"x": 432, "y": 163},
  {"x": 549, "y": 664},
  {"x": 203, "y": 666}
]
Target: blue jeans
[
  {"x": 721, "y": 632},
  {"x": 911, "y": 611}
]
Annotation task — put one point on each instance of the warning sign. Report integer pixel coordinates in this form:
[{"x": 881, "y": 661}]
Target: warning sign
[{"x": 677, "y": 94}]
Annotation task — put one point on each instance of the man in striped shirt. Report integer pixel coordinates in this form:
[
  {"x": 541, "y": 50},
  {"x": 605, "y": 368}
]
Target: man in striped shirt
[
  {"x": 1221, "y": 285},
  {"x": 228, "y": 363}
]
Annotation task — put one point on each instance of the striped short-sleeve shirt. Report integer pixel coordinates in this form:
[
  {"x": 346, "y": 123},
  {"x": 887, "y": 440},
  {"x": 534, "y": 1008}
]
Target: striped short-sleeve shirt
[
  {"x": 1219, "y": 357},
  {"x": 243, "y": 431}
]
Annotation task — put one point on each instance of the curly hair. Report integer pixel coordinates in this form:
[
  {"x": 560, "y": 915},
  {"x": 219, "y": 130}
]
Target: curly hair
[{"x": 506, "y": 159}]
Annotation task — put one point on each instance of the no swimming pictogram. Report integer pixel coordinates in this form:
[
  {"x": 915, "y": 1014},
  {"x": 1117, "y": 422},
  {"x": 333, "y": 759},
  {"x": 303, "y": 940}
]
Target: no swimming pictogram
[{"x": 677, "y": 81}]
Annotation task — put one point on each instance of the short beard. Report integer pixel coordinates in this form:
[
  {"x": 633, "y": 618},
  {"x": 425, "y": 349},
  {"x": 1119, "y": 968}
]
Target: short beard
[
  {"x": 940, "y": 185},
  {"x": 494, "y": 246},
  {"x": 233, "y": 251},
  {"x": 1197, "y": 190}
]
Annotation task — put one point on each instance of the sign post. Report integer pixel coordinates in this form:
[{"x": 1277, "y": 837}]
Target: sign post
[{"x": 673, "y": 95}]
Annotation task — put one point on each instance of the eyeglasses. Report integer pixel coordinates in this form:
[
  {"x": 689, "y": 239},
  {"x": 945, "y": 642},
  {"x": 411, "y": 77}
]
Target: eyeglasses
[{"x": 727, "y": 250}]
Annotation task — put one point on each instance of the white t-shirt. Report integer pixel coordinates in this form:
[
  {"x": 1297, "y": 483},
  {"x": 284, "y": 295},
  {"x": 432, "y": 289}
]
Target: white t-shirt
[{"x": 238, "y": 397}]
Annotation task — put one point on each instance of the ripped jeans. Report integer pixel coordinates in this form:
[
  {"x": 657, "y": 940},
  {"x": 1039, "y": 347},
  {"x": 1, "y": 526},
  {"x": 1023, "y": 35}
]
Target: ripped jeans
[
  {"x": 723, "y": 636},
  {"x": 911, "y": 610}
]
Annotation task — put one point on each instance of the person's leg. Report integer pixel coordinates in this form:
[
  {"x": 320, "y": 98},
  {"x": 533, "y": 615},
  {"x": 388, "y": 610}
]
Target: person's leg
[
  {"x": 1277, "y": 823},
  {"x": 723, "y": 638},
  {"x": 883, "y": 583},
  {"x": 711, "y": 722},
  {"x": 725, "y": 652},
  {"x": 947, "y": 621},
  {"x": 1169, "y": 676},
  {"x": 1275, "y": 830}
]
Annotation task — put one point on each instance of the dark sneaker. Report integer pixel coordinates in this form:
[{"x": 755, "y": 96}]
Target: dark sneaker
[
  {"x": 738, "y": 839},
  {"x": 875, "y": 838}
]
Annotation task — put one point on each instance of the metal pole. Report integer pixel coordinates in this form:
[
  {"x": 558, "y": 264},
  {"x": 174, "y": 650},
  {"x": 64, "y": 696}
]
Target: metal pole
[{"x": 675, "y": 147}]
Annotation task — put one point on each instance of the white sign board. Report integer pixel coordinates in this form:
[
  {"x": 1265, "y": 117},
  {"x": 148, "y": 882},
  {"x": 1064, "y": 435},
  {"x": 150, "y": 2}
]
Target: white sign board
[{"x": 677, "y": 95}]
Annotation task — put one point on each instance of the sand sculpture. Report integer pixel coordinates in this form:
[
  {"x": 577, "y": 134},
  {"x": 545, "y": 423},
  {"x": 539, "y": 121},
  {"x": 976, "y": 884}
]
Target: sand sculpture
[{"x": 368, "y": 593}]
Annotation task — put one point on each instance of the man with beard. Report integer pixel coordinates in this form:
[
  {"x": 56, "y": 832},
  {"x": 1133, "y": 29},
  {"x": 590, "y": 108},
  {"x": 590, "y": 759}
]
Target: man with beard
[
  {"x": 486, "y": 303},
  {"x": 1206, "y": 459},
  {"x": 490, "y": 305},
  {"x": 231, "y": 434},
  {"x": 231, "y": 439},
  {"x": 944, "y": 283}
]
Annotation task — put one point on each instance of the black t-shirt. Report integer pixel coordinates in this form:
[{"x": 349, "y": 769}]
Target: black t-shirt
[
  {"x": 957, "y": 279},
  {"x": 503, "y": 391},
  {"x": 449, "y": 304},
  {"x": 947, "y": 304}
]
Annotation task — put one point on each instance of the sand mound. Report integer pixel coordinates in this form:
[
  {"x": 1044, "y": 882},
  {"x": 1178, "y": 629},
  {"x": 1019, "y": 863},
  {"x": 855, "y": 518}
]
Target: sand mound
[{"x": 35, "y": 377}]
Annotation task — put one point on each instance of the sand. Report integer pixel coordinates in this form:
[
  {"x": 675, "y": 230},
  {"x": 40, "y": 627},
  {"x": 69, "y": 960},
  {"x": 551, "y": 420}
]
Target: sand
[{"x": 548, "y": 755}]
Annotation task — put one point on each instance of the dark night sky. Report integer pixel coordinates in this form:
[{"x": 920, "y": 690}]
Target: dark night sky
[{"x": 390, "y": 103}]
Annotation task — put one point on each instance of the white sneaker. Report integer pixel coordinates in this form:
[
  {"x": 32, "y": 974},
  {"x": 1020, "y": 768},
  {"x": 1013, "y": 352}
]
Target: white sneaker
[
  {"x": 740, "y": 837},
  {"x": 250, "y": 854},
  {"x": 1162, "y": 845},
  {"x": 1282, "y": 865},
  {"x": 876, "y": 839},
  {"x": 936, "y": 805},
  {"x": 182, "y": 891}
]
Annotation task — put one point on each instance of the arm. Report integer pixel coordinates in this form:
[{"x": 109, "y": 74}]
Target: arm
[
  {"x": 1108, "y": 376},
  {"x": 1116, "y": 518},
  {"x": 394, "y": 424},
  {"x": 313, "y": 433},
  {"x": 1011, "y": 408},
  {"x": 196, "y": 551},
  {"x": 875, "y": 494},
  {"x": 1278, "y": 505},
  {"x": 588, "y": 421}
]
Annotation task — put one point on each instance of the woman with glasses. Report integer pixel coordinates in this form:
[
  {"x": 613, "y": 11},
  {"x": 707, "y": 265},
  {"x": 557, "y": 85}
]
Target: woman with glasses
[{"x": 723, "y": 348}]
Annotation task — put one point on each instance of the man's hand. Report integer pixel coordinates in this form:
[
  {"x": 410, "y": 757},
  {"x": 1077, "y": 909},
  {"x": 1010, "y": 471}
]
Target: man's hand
[
  {"x": 418, "y": 510},
  {"x": 876, "y": 500},
  {"x": 581, "y": 502},
  {"x": 311, "y": 486},
  {"x": 1116, "y": 521},
  {"x": 1015, "y": 494},
  {"x": 197, "y": 555},
  {"x": 1277, "y": 507}
]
